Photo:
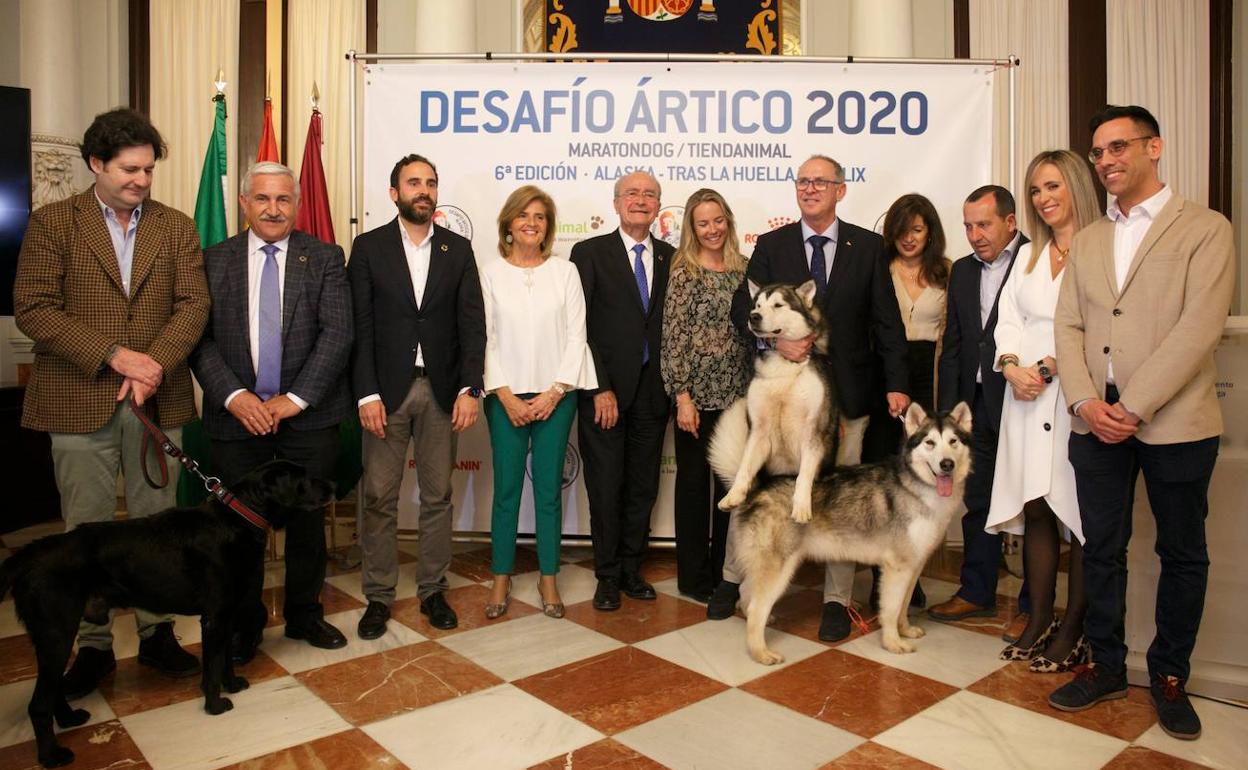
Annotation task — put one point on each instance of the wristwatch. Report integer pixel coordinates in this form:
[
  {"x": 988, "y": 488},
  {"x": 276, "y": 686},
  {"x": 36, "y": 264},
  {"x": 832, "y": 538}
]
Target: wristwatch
[
  {"x": 1045, "y": 371},
  {"x": 474, "y": 391}
]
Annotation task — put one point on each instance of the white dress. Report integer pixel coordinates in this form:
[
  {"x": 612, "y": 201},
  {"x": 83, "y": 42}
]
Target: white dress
[{"x": 1032, "y": 457}]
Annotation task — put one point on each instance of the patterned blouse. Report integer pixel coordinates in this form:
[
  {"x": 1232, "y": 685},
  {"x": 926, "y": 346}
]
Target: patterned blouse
[{"x": 702, "y": 351}]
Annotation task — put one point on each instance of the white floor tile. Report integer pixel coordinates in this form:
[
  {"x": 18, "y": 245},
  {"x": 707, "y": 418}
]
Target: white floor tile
[
  {"x": 405, "y": 589},
  {"x": 295, "y": 655},
  {"x": 716, "y": 648},
  {"x": 1223, "y": 741},
  {"x": 498, "y": 728},
  {"x": 738, "y": 730},
  {"x": 269, "y": 716},
  {"x": 576, "y": 584},
  {"x": 947, "y": 653},
  {"x": 529, "y": 645},
  {"x": 970, "y": 731},
  {"x": 15, "y": 722}
]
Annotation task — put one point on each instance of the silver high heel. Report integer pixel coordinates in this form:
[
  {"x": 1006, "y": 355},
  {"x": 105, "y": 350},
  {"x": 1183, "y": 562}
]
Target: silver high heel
[{"x": 495, "y": 611}]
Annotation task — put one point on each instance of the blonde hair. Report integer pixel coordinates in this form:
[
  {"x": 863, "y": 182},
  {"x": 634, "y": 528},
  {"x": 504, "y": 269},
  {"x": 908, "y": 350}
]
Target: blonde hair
[
  {"x": 687, "y": 253},
  {"x": 1078, "y": 178},
  {"x": 514, "y": 206}
]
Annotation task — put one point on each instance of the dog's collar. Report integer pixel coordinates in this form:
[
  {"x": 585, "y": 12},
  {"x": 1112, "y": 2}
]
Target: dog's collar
[{"x": 236, "y": 504}]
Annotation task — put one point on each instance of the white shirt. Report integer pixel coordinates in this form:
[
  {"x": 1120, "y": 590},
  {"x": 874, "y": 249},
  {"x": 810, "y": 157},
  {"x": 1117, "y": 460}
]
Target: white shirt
[
  {"x": 1129, "y": 232},
  {"x": 647, "y": 260},
  {"x": 123, "y": 241},
  {"x": 829, "y": 248},
  {"x": 255, "y": 269},
  {"x": 991, "y": 278},
  {"x": 535, "y": 327}
]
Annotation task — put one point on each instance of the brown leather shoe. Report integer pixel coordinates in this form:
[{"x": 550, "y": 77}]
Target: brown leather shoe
[
  {"x": 1014, "y": 631},
  {"x": 958, "y": 608}
]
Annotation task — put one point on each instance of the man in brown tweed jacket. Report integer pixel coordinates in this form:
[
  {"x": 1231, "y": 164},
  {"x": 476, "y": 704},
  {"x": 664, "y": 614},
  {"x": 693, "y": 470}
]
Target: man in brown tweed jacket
[{"x": 110, "y": 286}]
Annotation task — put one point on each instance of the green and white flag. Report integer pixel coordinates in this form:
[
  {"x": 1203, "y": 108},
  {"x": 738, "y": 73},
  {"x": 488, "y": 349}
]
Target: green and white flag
[{"x": 210, "y": 203}]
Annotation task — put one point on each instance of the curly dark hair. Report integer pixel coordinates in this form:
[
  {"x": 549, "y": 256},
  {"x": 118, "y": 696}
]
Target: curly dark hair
[
  {"x": 113, "y": 131},
  {"x": 934, "y": 266}
]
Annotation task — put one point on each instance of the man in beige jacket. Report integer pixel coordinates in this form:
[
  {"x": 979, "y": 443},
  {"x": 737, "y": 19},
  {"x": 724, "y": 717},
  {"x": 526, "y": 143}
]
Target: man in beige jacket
[{"x": 1140, "y": 313}]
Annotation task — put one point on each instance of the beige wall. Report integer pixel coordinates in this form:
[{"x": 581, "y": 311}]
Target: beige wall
[
  {"x": 1239, "y": 151},
  {"x": 827, "y": 28}
]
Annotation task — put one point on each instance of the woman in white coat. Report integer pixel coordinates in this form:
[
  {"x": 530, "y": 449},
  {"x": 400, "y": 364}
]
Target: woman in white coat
[{"x": 1033, "y": 491}]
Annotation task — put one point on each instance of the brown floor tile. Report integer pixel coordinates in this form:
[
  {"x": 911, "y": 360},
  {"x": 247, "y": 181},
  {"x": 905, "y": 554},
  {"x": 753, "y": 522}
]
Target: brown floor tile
[
  {"x": 800, "y": 612},
  {"x": 350, "y": 750},
  {"x": 638, "y": 620},
  {"x": 374, "y": 687},
  {"x": 134, "y": 687},
  {"x": 469, "y": 605},
  {"x": 658, "y": 565},
  {"x": 477, "y": 565},
  {"x": 17, "y": 659},
  {"x": 104, "y": 746},
  {"x": 830, "y": 686},
  {"x": 332, "y": 600},
  {"x": 873, "y": 756},
  {"x": 619, "y": 689},
  {"x": 1127, "y": 718},
  {"x": 603, "y": 755},
  {"x": 1140, "y": 758}
]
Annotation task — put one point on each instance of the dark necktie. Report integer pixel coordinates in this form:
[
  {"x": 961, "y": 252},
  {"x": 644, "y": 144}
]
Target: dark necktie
[
  {"x": 818, "y": 264},
  {"x": 643, "y": 287},
  {"x": 269, "y": 363}
]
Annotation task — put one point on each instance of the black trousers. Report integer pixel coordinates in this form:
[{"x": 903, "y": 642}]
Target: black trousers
[
  {"x": 701, "y": 528},
  {"x": 1177, "y": 479},
  {"x": 622, "y": 474},
  {"x": 317, "y": 451}
]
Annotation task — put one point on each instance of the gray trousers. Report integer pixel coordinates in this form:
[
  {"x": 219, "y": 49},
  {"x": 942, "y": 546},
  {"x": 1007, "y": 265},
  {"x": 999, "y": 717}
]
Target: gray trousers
[
  {"x": 86, "y": 467},
  {"x": 838, "y": 576},
  {"x": 418, "y": 419}
]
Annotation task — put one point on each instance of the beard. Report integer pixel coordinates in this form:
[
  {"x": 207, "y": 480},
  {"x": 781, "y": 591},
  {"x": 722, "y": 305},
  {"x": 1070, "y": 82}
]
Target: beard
[{"x": 408, "y": 210}]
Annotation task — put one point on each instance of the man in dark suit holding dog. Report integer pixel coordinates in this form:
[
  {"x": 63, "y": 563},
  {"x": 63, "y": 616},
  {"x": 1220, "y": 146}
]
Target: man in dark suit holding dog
[
  {"x": 110, "y": 286},
  {"x": 273, "y": 365},
  {"x": 417, "y": 373},
  {"x": 855, "y": 293},
  {"x": 968, "y": 352},
  {"x": 622, "y": 423}
]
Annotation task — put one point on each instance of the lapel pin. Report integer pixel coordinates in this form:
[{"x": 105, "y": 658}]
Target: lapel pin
[
  {"x": 445, "y": 248},
  {"x": 303, "y": 258}
]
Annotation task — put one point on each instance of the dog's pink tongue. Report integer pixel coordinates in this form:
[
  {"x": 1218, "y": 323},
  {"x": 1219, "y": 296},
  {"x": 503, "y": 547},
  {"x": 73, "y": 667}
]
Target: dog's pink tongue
[{"x": 944, "y": 486}]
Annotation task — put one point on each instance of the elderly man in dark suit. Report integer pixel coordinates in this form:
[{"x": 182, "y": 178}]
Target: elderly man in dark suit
[
  {"x": 110, "y": 286},
  {"x": 856, "y": 295},
  {"x": 417, "y": 373},
  {"x": 624, "y": 275},
  {"x": 273, "y": 365},
  {"x": 968, "y": 352}
]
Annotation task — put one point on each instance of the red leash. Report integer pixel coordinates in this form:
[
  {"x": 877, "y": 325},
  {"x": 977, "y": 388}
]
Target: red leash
[{"x": 212, "y": 484}]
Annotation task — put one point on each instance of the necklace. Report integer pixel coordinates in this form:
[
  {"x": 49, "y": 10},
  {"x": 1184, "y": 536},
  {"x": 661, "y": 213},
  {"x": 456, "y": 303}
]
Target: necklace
[{"x": 1061, "y": 253}]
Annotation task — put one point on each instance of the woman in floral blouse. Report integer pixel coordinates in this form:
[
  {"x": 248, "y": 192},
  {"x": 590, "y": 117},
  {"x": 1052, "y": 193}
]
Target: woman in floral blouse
[{"x": 706, "y": 366}]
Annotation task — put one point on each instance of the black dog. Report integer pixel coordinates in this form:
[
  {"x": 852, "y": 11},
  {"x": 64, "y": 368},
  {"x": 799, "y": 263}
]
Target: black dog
[{"x": 205, "y": 561}]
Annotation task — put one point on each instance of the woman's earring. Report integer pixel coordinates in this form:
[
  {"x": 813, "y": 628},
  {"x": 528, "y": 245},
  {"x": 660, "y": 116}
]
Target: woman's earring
[{"x": 507, "y": 237}]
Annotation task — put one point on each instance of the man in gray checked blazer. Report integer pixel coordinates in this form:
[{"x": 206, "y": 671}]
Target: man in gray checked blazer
[{"x": 273, "y": 365}]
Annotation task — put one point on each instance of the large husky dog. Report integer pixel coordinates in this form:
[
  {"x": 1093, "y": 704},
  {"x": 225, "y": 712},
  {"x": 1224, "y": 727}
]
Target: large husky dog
[
  {"x": 793, "y": 420},
  {"x": 891, "y": 513}
]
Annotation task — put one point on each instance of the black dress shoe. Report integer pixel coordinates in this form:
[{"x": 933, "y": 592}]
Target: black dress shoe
[
  {"x": 723, "y": 601},
  {"x": 162, "y": 652},
  {"x": 1089, "y": 687},
  {"x": 90, "y": 667},
  {"x": 607, "y": 595},
  {"x": 373, "y": 624},
  {"x": 834, "y": 626},
  {"x": 700, "y": 595},
  {"x": 440, "y": 613},
  {"x": 1174, "y": 711},
  {"x": 636, "y": 588},
  {"x": 318, "y": 633}
]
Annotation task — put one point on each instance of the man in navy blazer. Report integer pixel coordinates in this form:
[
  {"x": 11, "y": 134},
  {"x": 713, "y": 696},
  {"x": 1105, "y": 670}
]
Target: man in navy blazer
[
  {"x": 859, "y": 305},
  {"x": 621, "y": 425},
  {"x": 417, "y": 372},
  {"x": 968, "y": 353},
  {"x": 272, "y": 363}
]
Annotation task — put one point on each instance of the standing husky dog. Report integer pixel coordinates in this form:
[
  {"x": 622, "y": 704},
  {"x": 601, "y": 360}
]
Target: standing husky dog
[
  {"x": 892, "y": 513},
  {"x": 793, "y": 420}
]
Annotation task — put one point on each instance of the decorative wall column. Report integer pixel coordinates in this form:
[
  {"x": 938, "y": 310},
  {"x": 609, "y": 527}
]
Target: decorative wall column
[
  {"x": 881, "y": 28},
  {"x": 443, "y": 27},
  {"x": 49, "y": 67}
]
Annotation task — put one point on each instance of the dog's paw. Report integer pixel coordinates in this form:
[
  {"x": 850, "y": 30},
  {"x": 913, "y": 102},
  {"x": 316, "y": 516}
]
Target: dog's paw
[
  {"x": 73, "y": 718},
  {"x": 237, "y": 684},
  {"x": 731, "y": 500},
  {"x": 912, "y": 632},
  {"x": 801, "y": 513},
  {"x": 899, "y": 646},
  {"x": 218, "y": 706},
  {"x": 56, "y": 757},
  {"x": 766, "y": 657}
]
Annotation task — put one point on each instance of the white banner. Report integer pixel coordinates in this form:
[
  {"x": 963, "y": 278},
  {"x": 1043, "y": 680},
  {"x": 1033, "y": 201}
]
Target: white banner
[{"x": 741, "y": 128}]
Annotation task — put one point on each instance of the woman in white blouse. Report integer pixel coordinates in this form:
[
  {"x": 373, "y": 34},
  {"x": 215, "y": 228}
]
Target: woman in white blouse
[
  {"x": 535, "y": 354},
  {"x": 1033, "y": 490}
]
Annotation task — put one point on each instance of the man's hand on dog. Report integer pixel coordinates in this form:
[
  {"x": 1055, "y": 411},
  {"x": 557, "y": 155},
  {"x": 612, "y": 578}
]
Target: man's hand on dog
[
  {"x": 373, "y": 418},
  {"x": 795, "y": 350},
  {"x": 898, "y": 403},
  {"x": 248, "y": 409},
  {"x": 134, "y": 365},
  {"x": 606, "y": 409}
]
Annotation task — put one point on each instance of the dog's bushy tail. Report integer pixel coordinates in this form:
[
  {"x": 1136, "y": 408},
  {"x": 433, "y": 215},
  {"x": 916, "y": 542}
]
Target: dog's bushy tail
[
  {"x": 728, "y": 441},
  {"x": 9, "y": 569}
]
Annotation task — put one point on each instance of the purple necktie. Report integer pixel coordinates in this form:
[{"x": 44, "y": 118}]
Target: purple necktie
[
  {"x": 818, "y": 264},
  {"x": 643, "y": 286},
  {"x": 269, "y": 365}
]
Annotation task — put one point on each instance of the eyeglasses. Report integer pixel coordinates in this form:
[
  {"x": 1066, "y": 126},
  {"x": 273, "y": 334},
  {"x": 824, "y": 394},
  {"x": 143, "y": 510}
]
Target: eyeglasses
[
  {"x": 649, "y": 195},
  {"x": 816, "y": 184},
  {"x": 1114, "y": 148}
]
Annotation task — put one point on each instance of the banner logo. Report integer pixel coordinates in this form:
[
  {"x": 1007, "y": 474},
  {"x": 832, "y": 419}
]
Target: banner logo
[
  {"x": 667, "y": 225},
  {"x": 571, "y": 467},
  {"x": 660, "y": 10},
  {"x": 454, "y": 219}
]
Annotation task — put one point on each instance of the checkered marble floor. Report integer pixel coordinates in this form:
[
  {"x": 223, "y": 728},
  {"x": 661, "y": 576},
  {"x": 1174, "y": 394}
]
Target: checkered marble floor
[{"x": 653, "y": 685}]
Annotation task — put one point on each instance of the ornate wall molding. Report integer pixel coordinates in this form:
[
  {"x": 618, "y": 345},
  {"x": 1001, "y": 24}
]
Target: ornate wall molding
[{"x": 52, "y": 166}]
